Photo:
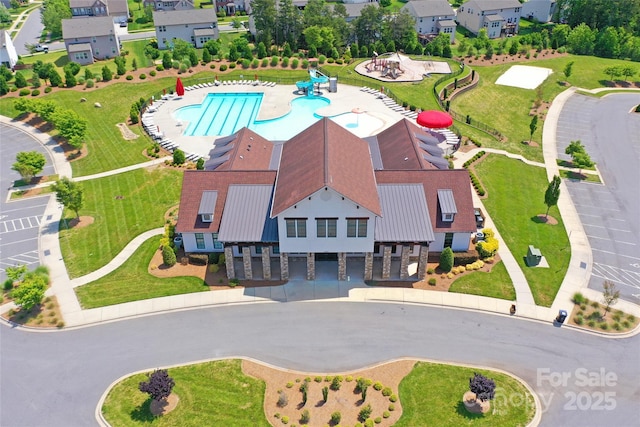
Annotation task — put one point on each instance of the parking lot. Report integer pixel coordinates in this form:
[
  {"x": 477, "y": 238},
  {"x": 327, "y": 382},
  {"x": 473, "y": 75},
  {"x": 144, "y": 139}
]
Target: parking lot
[
  {"x": 19, "y": 220},
  {"x": 610, "y": 213}
]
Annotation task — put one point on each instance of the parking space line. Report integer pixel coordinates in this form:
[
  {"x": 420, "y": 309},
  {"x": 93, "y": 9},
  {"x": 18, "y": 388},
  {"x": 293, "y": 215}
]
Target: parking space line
[
  {"x": 606, "y": 238},
  {"x": 614, "y": 253},
  {"x": 20, "y": 224},
  {"x": 596, "y": 207},
  {"x": 608, "y": 228}
]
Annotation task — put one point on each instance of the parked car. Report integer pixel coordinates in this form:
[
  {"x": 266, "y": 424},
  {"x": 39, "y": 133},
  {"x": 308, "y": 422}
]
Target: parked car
[
  {"x": 123, "y": 23},
  {"x": 479, "y": 217},
  {"x": 42, "y": 48}
]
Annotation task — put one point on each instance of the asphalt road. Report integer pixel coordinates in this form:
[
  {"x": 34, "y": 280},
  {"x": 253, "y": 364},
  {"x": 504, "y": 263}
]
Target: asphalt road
[
  {"x": 19, "y": 220},
  {"x": 29, "y": 32},
  {"x": 56, "y": 379},
  {"x": 609, "y": 213}
]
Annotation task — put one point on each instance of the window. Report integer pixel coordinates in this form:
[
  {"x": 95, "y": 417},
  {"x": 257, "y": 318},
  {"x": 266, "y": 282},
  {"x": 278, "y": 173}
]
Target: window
[
  {"x": 447, "y": 217},
  {"x": 357, "y": 227},
  {"x": 206, "y": 217},
  {"x": 296, "y": 227},
  {"x": 326, "y": 227},
  {"x": 258, "y": 249},
  {"x": 216, "y": 243},
  {"x": 448, "y": 240},
  {"x": 276, "y": 250},
  {"x": 200, "y": 240},
  {"x": 93, "y": 39}
]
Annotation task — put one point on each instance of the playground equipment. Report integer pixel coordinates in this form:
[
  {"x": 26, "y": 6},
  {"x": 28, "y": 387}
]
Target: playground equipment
[
  {"x": 387, "y": 64},
  {"x": 311, "y": 86}
]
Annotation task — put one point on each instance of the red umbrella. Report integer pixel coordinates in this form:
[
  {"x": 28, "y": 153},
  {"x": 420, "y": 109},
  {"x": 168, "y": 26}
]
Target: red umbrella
[
  {"x": 179, "y": 87},
  {"x": 434, "y": 119}
]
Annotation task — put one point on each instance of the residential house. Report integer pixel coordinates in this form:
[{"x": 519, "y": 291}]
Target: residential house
[
  {"x": 359, "y": 1},
  {"x": 116, "y": 9},
  {"x": 372, "y": 205},
  {"x": 354, "y": 10},
  {"x": 497, "y": 16},
  {"x": 540, "y": 10},
  {"x": 169, "y": 4},
  {"x": 432, "y": 17},
  {"x": 196, "y": 26},
  {"x": 90, "y": 38},
  {"x": 231, "y": 7},
  {"x": 8, "y": 53}
]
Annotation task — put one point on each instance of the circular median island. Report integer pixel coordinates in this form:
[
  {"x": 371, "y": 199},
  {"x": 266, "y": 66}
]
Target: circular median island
[{"x": 243, "y": 392}]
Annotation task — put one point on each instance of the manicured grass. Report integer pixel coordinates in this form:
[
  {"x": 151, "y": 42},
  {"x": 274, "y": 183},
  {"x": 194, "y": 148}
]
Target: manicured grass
[
  {"x": 217, "y": 393},
  {"x": 132, "y": 282},
  {"x": 487, "y": 98},
  {"x": 495, "y": 284},
  {"x": 136, "y": 50},
  {"x": 123, "y": 206},
  {"x": 211, "y": 394},
  {"x": 431, "y": 395},
  {"x": 515, "y": 197},
  {"x": 588, "y": 177}
]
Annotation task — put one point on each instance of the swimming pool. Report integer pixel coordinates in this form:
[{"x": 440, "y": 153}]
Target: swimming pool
[{"x": 224, "y": 114}]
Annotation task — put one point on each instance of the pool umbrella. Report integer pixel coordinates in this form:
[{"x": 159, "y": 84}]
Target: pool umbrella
[
  {"x": 179, "y": 87},
  {"x": 434, "y": 119}
]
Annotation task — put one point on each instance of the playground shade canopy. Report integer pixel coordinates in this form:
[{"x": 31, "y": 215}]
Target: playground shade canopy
[
  {"x": 179, "y": 87},
  {"x": 434, "y": 119}
]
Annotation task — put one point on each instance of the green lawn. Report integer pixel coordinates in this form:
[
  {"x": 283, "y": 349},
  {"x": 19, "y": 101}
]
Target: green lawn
[
  {"x": 219, "y": 394},
  {"x": 431, "y": 395},
  {"x": 515, "y": 197},
  {"x": 211, "y": 394},
  {"x": 495, "y": 284},
  {"x": 588, "y": 177},
  {"x": 123, "y": 206},
  {"x": 487, "y": 98},
  {"x": 131, "y": 282}
]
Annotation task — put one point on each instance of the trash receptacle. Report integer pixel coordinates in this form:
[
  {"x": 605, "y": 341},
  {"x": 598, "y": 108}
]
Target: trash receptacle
[{"x": 561, "y": 317}]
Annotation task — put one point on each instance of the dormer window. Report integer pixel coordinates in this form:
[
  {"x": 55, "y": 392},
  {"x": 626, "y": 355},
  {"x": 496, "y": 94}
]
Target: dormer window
[
  {"x": 207, "y": 205},
  {"x": 447, "y": 205}
]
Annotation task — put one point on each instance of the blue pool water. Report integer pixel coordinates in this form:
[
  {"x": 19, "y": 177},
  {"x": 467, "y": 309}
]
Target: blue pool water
[{"x": 224, "y": 114}]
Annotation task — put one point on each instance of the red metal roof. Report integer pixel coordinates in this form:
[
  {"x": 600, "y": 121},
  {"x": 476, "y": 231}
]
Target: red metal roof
[{"x": 250, "y": 152}]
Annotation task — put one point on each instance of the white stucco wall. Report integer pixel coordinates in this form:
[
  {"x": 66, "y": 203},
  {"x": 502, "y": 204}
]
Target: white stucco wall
[{"x": 326, "y": 204}]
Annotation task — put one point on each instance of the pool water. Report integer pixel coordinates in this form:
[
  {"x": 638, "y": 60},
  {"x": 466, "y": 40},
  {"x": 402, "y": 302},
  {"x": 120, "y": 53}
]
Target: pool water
[{"x": 225, "y": 114}]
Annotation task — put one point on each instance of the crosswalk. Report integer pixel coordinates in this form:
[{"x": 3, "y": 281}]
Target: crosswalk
[
  {"x": 618, "y": 275},
  {"x": 18, "y": 224}
]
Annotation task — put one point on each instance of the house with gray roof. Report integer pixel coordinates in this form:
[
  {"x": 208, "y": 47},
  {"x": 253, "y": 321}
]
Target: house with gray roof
[
  {"x": 540, "y": 10},
  {"x": 372, "y": 206},
  {"x": 498, "y": 17},
  {"x": 169, "y": 4},
  {"x": 118, "y": 10},
  {"x": 354, "y": 10},
  {"x": 89, "y": 39},
  {"x": 196, "y": 26},
  {"x": 432, "y": 17}
]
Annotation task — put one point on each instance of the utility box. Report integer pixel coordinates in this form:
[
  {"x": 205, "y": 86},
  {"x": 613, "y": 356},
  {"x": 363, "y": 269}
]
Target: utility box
[
  {"x": 533, "y": 256},
  {"x": 333, "y": 84}
]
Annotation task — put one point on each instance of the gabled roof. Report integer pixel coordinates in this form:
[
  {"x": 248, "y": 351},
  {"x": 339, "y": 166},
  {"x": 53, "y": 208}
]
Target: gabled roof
[
  {"x": 405, "y": 214},
  {"x": 247, "y": 151},
  {"x": 400, "y": 149},
  {"x": 325, "y": 155},
  {"x": 195, "y": 182},
  {"x": 246, "y": 213},
  {"x": 446, "y": 201},
  {"x": 354, "y": 10},
  {"x": 425, "y": 8},
  {"x": 182, "y": 17},
  {"x": 87, "y": 27},
  {"x": 85, "y": 3},
  {"x": 457, "y": 180},
  {"x": 485, "y": 5}
]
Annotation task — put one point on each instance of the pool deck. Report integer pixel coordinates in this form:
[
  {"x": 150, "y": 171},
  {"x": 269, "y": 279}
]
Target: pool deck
[{"x": 275, "y": 103}]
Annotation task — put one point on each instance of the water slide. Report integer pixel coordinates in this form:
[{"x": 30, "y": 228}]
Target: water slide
[{"x": 315, "y": 78}]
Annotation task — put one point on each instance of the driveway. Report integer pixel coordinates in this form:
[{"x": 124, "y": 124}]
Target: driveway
[
  {"x": 19, "y": 220},
  {"x": 56, "y": 379},
  {"x": 610, "y": 213}
]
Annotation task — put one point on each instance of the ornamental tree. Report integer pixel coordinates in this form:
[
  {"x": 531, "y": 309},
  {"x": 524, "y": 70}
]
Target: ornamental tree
[
  {"x": 446, "y": 260},
  {"x": 70, "y": 194},
  {"x": 552, "y": 194},
  {"x": 31, "y": 290},
  {"x": 483, "y": 387},
  {"x": 158, "y": 385},
  {"x": 29, "y": 164}
]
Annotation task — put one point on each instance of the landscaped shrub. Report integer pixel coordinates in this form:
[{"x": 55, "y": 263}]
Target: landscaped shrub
[
  {"x": 386, "y": 392},
  {"x": 48, "y": 89},
  {"x": 168, "y": 256},
  {"x": 283, "y": 400},
  {"x": 489, "y": 246},
  {"x": 214, "y": 268},
  {"x": 232, "y": 65},
  {"x": 129, "y": 77},
  {"x": 159, "y": 67},
  {"x": 430, "y": 270},
  {"x": 274, "y": 60},
  {"x": 392, "y": 407},
  {"x": 222, "y": 259},
  {"x": 446, "y": 260},
  {"x": 152, "y": 73},
  {"x": 295, "y": 63},
  {"x": 198, "y": 259},
  {"x": 432, "y": 281},
  {"x": 223, "y": 67},
  {"x": 378, "y": 385},
  {"x": 245, "y": 63},
  {"x": 35, "y": 92},
  {"x": 464, "y": 258},
  {"x": 578, "y": 298},
  {"x": 179, "y": 157},
  {"x": 305, "y": 417},
  {"x": 285, "y": 420},
  {"x": 386, "y": 414},
  {"x": 368, "y": 423},
  {"x": 285, "y": 62},
  {"x": 393, "y": 398},
  {"x": 234, "y": 282},
  {"x": 377, "y": 420},
  {"x": 143, "y": 76},
  {"x": 365, "y": 413},
  {"x": 335, "y": 384},
  {"x": 24, "y": 92},
  {"x": 322, "y": 59}
]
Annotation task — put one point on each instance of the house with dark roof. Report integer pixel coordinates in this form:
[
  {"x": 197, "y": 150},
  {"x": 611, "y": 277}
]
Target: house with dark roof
[
  {"x": 196, "y": 26},
  {"x": 90, "y": 38},
  {"x": 373, "y": 206},
  {"x": 118, "y": 10},
  {"x": 499, "y": 17},
  {"x": 432, "y": 17},
  {"x": 169, "y": 4}
]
